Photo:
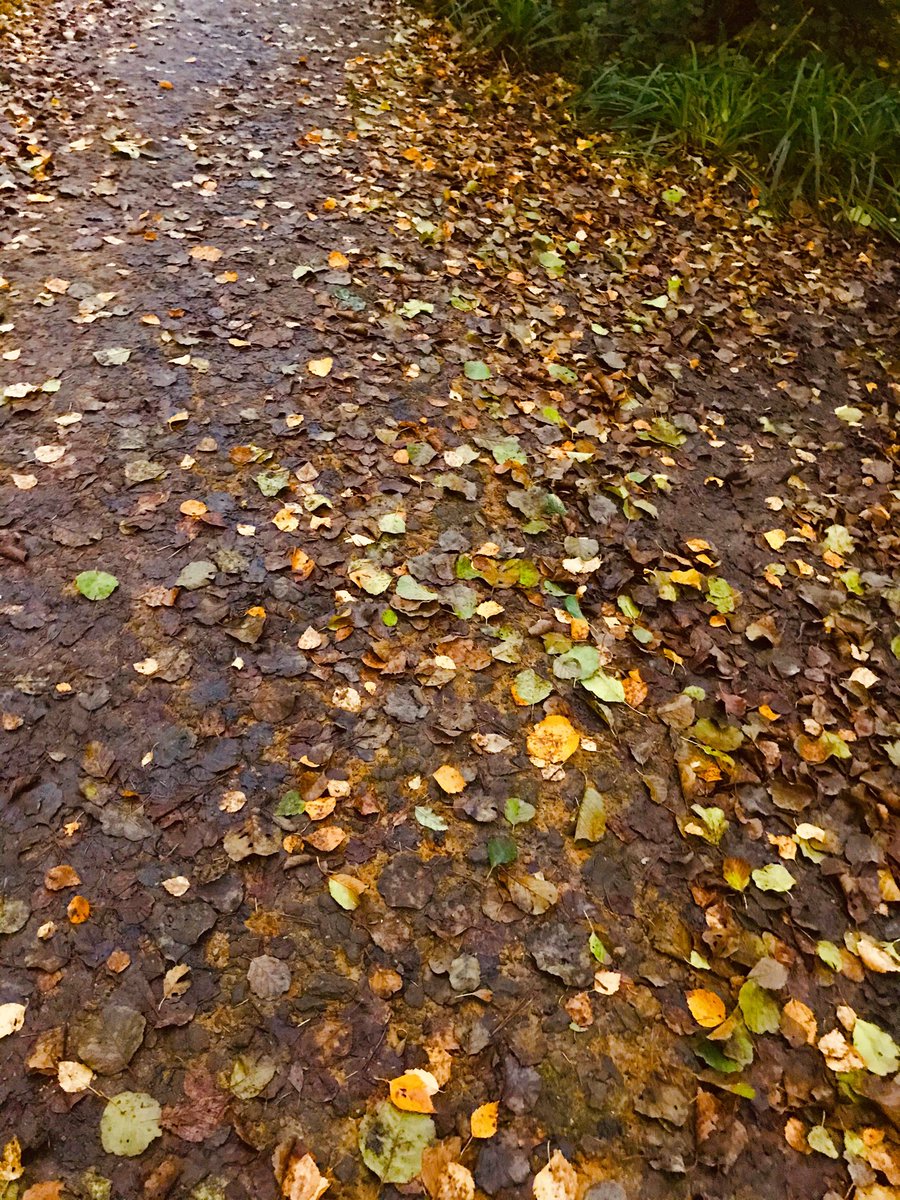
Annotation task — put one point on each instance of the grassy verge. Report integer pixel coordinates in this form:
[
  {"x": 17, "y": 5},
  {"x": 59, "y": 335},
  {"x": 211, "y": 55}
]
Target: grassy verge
[{"x": 800, "y": 126}]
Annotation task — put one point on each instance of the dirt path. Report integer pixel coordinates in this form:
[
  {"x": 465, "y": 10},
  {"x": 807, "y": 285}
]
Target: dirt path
[{"x": 498, "y": 676}]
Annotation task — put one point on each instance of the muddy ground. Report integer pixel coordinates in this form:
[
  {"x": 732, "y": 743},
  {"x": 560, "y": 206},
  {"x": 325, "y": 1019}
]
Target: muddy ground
[{"x": 449, "y": 621}]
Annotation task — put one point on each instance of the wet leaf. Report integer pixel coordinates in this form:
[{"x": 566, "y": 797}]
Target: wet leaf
[
  {"x": 591, "y": 824},
  {"x": 392, "y": 1142},
  {"x": 130, "y": 1122}
]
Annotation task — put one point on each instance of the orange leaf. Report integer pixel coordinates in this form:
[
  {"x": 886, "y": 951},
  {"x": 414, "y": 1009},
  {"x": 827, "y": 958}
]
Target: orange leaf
[
  {"x": 707, "y": 1008},
  {"x": 484, "y": 1120},
  {"x": 79, "y": 910},
  {"x": 61, "y": 877},
  {"x": 412, "y": 1092},
  {"x": 449, "y": 779}
]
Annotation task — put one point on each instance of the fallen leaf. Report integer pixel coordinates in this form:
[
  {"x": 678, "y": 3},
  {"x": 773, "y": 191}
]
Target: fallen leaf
[
  {"x": 74, "y": 1076},
  {"x": 553, "y": 740},
  {"x": 303, "y": 1180},
  {"x": 12, "y": 1018},
  {"x": 413, "y": 1090},
  {"x": 707, "y": 1009},
  {"x": 449, "y": 779},
  {"x": 484, "y": 1119},
  {"x": 556, "y": 1181}
]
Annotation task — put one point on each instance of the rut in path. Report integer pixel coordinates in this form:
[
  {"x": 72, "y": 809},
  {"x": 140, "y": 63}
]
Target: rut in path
[{"x": 426, "y": 456}]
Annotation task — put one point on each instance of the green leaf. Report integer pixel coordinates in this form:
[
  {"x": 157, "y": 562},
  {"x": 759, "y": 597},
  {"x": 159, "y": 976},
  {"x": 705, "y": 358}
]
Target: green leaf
[
  {"x": 409, "y": 589},
  {"x": 562, "y": 374},
  {"x": 674, "y": 195},
  {"x": 849, "y": 413},
  {"x": 96, "y": 585},
  {"x": 761, "y": 1013},
  {"x": 721, "y": 595},
  {"x": 270, "y": 483},
  {"x": 773, "y": 878},
  {"x": 580, "y": 662},
  {"x": 820, "y": 1139},
  {"x": 412, "y": 308},
  {"x": 627, "y": 607},
  {"x": 476, "y": 370},
  {"x": 530, "y": 688},
  {"x": 389, "y": 618},
  {"x": 291, "y": 804},
  {"x": 830, "y": 954},
  {"x": 605, "y": 687},
  {"x": 591, "y": 824},
  {"x": 250, "y": 1076},
  {"x": 662, "y": 430},
  {"x": 430, "y": 819},
  {"x": 597, "y": 949},
  {"x": 877, "y": 1049},
  {"x": 713, "y": 1057},
  {"x": 366, "y": 575},
  {"x": 714, "y": 823},
  {"x": 508, "y": 450},
  {"x": 392, "y": 523},
  {"x": 838, "y": 540},
  {"x": 895, "y": 646},
  {"x": 518, "y": 812},
  {"x": 501, "y": 850},
  {"x": 392, "y": 1142},
  {"x": 552, "y": 263},
  {"x": 720, "y": 737},
  {"x": 130, "y": 1122}
]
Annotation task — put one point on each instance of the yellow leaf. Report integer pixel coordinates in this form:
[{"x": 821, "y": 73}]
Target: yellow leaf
[
  {"x": 320, "y": 366},
  {"x": 553, "y": 740},
  {"x": 193, "y": 508},
  {"x": 484, "y": 1120},
  {"x": 285, "y": 520},
  {"x": 707, "y": 1008},
  {"x": 557, "y": 1181},
  {"x": 775, "y": 538},
  {"x": 318, "y": 810},
  {"x": 338, "y": 261},
  {"x": 303, "y": 1180},
  {"x": 11, "y": 1162},
  {"x": 449, "y": 779},
  {"x": 691, "y": 578},
  {"x": 412, "y": 1091}
]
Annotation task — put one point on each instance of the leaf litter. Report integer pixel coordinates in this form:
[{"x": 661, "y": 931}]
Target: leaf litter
[{"x": 477, "y": 762}]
